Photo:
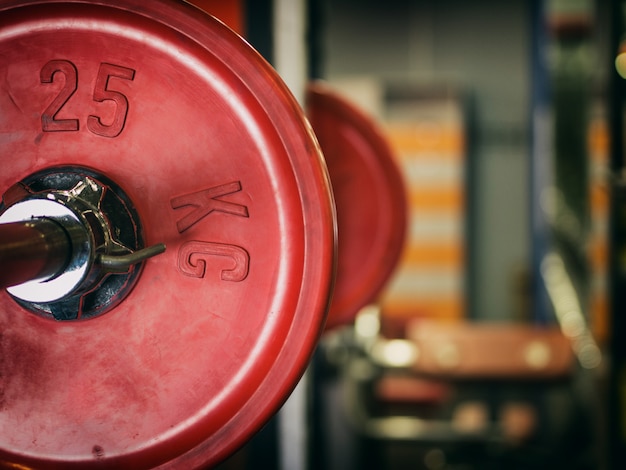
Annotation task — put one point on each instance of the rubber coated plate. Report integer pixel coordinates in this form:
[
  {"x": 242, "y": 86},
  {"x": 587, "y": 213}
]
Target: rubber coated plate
[
  {"x": 370, "y": 198},
  {"x": 216, "y": 156}
]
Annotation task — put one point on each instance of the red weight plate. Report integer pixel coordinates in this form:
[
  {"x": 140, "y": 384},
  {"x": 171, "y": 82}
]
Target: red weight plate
[
  {"x": 370, "y": 199},
  {"x": 221, "y": 166}
]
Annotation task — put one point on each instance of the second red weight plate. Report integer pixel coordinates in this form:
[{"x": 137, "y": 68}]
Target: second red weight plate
[
  {"x": 369, "y": 195},
  {"x": 220, "y": 164}
]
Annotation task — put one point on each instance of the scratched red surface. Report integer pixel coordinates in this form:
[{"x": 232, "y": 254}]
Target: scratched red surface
[{"x": 220, "y": 327}]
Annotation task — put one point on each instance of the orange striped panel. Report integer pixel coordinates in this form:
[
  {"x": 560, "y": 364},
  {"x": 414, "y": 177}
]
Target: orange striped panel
[
  {"x": 449, "y": 200},
  {"x": 429, "y": 280},
  {"x": 446, "y": 140},
  {"x": 449, "y": 254}
]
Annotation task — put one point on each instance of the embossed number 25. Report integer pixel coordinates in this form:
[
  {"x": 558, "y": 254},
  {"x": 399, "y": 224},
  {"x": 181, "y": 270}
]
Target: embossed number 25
[{"x": 102, "y": 92}]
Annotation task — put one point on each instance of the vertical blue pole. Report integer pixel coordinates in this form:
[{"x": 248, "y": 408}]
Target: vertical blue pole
[{"x": 541, "y": 138}]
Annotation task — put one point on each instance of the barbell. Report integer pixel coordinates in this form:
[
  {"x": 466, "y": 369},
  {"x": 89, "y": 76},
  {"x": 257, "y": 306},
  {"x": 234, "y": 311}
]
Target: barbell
[{"x": 167, "y": 235}]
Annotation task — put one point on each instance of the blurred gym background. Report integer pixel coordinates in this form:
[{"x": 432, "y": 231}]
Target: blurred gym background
[{"x": 498, "y": 342}]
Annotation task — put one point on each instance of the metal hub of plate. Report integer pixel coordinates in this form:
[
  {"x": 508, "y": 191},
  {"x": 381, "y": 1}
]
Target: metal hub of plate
[
  {"x": 104, "y": 231},
  {"x": 219, "y": 164},
  {"x": 370, "y": 197}
]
